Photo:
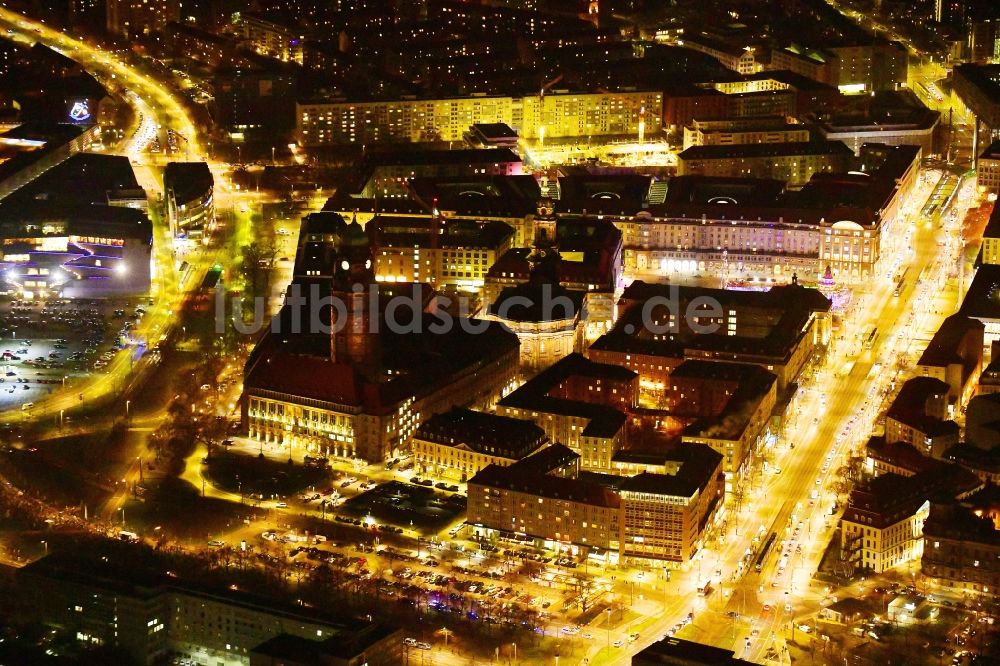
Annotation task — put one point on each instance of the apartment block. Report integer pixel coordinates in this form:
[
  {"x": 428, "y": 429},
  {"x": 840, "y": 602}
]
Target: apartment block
[
  {"x": 656, "y": 519},
  {"x": 961, "y": 550},
  {"x": 554, "y": 115},
  {"x": 793, "y": 162},
  {"x": 730, "y": 131},
  {"x": 153, "y": 617}
]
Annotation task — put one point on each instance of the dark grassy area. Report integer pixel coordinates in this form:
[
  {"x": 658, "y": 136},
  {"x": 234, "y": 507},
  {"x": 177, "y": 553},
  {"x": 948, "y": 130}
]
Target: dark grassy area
[
  {"x": 68, "y": 470},
  {"x": 180, "y": 511},
  {"x": 254, "y": 475},
  {"x": 400, "y": 503}
]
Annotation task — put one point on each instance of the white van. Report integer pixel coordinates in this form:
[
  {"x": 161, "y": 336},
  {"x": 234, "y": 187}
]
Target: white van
[{"x": 26, "y": 406}]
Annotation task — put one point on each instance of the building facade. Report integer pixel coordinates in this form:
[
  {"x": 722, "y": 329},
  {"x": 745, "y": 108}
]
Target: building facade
[
  {"x": 460, "y": 443},
  {"x": 189, "y": 190},
  {"x": 962, "y": 550},
  {"x": 552, "y": 115}
]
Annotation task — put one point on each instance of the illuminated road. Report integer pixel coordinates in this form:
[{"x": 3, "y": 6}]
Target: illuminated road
[
  {"x": 156, "y": 109},
  {"x": 831, "y": 417}
]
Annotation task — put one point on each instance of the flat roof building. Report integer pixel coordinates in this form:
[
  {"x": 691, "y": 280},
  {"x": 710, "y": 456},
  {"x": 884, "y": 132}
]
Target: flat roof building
[
  {"x": 189, "y": 193},
  {"x": 114, "y": 601},
  {"x": 795, "y": 162},
  {"x": 77, "y": 230}
]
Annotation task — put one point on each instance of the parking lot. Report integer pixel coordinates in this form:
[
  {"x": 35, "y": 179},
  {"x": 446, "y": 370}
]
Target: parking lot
[
  {"x": 45, "y": 346},
  {"x": 407, "y": 505}
]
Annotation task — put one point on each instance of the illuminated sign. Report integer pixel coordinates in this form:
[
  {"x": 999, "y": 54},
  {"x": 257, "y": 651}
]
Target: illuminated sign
[{"x": 80, "y": 111}]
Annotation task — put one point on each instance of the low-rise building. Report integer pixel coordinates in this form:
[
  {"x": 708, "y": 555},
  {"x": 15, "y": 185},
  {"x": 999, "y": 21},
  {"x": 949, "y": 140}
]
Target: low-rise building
[
  {"x": 955, "y": 356},
  {"x": 892, "y": 118},
  {"x": 678, "y": 652},
  {"x": 961, "y": 550},
  {"x": 587, "y": 253},
  {"x": 900, "y": 458},
  {"x": 729, "y": 131},
  {"x": 777, "y": 329},
  {"x": 456, "y": 253},
  {"x": 72, "y": 232},
  {"x": 740, "y": 59},
  {"x": 919, "y": 416},
  {"x": 795, "y": 162},
  {"x": 459, "y": 443}
]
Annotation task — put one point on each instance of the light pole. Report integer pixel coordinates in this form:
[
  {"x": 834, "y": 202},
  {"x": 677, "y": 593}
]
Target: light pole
[{"x": 608, "y": 611}]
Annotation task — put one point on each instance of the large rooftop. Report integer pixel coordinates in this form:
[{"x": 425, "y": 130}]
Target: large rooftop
[
  {"x": 758, "y": 150},
  {"x": 485, "y": 433},
  {"x": 791, "y": 305},
  {"x": 604, "y": 421}
]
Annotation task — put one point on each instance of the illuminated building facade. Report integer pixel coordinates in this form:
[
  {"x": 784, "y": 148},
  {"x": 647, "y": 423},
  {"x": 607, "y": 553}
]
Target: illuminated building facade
[
  {"x": 756, "y": 230},
  {"x": 988, "y": 171},
  {"x": 77, "y": 230},
  {"x": 729, "y": 131},
  {"x": 272, "y": 38},
  {"x": 961, "y": 550},
  {"x": 554, "y": 115},
  {"x": 151, "y": 617},
  {"x": 459, "y": 443},
  {"x": 792, "y": 162},
  {"x": 189, "y": 192},
  {"x": 882, "y": 526},
  {"x": 778, "y": 330},
  {"x": 655, "y": 519},
  {"x": 455, "y": 253}
]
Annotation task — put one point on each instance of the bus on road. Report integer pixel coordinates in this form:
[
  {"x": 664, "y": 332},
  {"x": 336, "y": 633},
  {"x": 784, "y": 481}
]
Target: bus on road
[
  {"x": 871, "y": 338},
  {"x": 759, "y": 564}
]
